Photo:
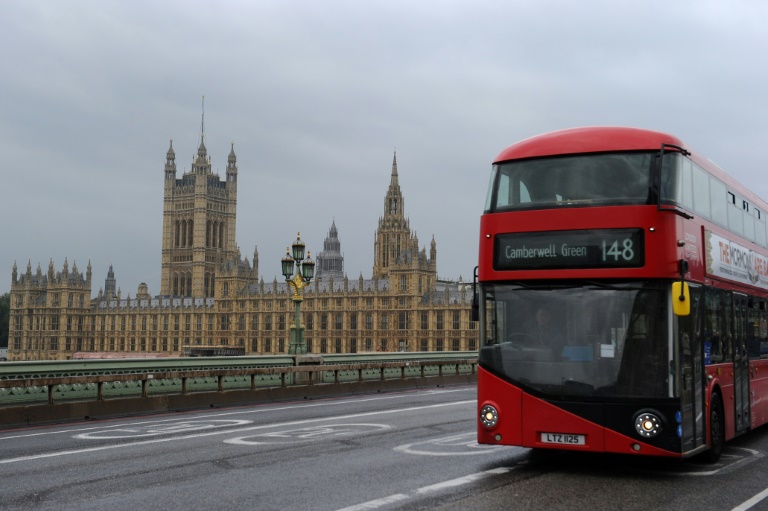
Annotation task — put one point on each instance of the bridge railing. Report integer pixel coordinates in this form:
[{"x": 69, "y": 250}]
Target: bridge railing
[{"x": 48, "y": 382}]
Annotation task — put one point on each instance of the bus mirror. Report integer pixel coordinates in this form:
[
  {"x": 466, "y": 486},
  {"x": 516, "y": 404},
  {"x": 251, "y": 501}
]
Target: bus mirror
[
  {"x": 681, "y": 299},
  {"x": 475, "y": 311}
]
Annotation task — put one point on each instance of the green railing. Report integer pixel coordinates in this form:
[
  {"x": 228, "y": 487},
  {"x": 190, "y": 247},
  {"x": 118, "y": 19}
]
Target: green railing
[{"x": 40, "y": 382}]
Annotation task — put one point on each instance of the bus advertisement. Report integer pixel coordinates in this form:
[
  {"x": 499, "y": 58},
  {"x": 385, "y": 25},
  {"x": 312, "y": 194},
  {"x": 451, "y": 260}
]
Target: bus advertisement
[{"x": 622, "y": 295}]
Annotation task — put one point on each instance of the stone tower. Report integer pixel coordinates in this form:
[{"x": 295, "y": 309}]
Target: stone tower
[
  {"x": 110, "y": 283},
  {"x": 199, "y": 213},
  {"x": 395, "y": 246},
  {"x": 330, "y": 262}
]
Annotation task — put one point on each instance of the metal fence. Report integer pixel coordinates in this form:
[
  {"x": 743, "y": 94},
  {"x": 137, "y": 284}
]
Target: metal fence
[{"x": 49, "y": 382}]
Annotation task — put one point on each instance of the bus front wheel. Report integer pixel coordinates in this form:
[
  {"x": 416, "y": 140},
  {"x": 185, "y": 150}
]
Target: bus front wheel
[{"x": 716, "y": 429}]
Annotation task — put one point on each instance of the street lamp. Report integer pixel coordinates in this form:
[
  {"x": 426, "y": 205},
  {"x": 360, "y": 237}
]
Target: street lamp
[{"x": 304, "y": 272}]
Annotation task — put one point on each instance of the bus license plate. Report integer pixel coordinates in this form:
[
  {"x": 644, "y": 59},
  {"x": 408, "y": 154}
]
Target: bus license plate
[{"x": 561, "y": 438}]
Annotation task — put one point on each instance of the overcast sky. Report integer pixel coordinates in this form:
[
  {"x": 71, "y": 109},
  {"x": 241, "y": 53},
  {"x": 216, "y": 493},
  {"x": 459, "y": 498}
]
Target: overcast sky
[{"x": 316, "y": 95}]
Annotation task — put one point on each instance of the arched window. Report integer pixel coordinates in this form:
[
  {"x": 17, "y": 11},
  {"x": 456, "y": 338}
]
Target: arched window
[
  {"x": 221, "y": 235},
  {"x": 190, "y": 235},
  {"x": 183, "y": 233}
]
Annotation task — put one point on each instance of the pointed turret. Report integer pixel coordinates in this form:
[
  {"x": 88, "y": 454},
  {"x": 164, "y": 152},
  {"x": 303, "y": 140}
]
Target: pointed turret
[
  {"x": 232, "y": 165},
  {"x": 170, "y": 162}
]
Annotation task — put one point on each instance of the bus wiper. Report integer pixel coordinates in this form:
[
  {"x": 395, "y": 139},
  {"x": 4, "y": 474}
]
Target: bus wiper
[
  {"x": 578, "y": 388},
  {"x": 603, "y": 285}
]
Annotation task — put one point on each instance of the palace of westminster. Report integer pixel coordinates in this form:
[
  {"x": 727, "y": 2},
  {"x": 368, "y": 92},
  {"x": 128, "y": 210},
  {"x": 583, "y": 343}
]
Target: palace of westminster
[{"x": 211, "y": 297}]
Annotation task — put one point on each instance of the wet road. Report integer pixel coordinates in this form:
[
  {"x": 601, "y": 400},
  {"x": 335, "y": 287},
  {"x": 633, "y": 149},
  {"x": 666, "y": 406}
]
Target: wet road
[{"x": 404, "y": 450}]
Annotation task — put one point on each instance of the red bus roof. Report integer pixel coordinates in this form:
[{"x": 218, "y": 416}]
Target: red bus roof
[
  {"x": 587, "y": 140},
  {"x": 600, "y": 139}
]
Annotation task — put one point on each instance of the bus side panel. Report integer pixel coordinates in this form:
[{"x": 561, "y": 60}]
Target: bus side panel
[
  {"x": 722, "y": 375},
  {"x": 506, "y": 398},
  {"x": 758, "y": 387}
]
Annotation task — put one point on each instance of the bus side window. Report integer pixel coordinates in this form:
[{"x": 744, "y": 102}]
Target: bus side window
[
  {"x": 763, "y": 329},
  {"x": 718, "y": 326},
  {"x": 753, "y": 328}
]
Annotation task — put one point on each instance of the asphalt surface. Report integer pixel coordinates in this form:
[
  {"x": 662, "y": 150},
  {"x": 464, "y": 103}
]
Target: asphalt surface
[{"x": 399, "y": 450}]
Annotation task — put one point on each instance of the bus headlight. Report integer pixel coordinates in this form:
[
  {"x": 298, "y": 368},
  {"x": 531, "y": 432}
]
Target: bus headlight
[
  {"x": 489, "y": 416},
  {"x": 648, "y": 424}
]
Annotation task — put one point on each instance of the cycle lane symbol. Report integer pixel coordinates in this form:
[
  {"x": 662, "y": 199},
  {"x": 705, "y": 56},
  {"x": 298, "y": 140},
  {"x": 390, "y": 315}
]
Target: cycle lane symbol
[
  {"x": 150, "y": 430},
  {"x": 462, "y": 444},
  {"x": 309, "y": 434}
]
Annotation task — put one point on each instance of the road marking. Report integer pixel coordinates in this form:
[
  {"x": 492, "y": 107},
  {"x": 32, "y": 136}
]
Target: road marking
[
  {"x": 751, "y": 502},
  {"x": 463, "y": 444},
  {"x": 725, "y": 465},
  {"x": 324, "y": 402},
  {"x": 181, "y": 426},
  {"x": 375, "y": 504},
  {"x": 309, "y": 434},
  {"x": 452, "y": 483},
  {"x": 230, "y": 431}
]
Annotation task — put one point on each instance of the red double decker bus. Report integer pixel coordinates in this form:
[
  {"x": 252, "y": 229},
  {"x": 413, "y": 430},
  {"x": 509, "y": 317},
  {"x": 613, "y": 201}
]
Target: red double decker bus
[{"x": 622, "y": 290}]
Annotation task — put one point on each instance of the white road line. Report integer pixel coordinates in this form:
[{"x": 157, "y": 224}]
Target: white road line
[
  {"x": 324, "y": 402},
  {"x": 459, "y": 481},
  {"x": 229, "y": 431},
  {"x": 399, "y": 497},
  {"x": 751, "y": 502},
  {"x": 376, "y": 504}
]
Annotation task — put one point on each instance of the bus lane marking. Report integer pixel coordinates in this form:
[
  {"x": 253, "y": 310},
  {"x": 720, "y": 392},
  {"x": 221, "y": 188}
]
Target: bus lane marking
[
  {"x": 308, "y": 434},
  {"x": 240, "y": 412},
  {"x": 161, "y": 429},
  {"x": 463, "y": 444},
  {"x": 72, "y": 452}
]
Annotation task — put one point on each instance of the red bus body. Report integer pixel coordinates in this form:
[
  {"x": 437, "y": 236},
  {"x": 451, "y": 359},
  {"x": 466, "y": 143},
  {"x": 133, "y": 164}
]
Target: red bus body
[{"x": 715, "y": 354}]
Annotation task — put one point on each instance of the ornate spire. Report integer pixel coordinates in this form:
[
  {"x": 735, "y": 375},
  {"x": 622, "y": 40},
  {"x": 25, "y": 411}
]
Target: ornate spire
[
  {"x": 202, "y": 152},
  {"x": 393, "y": 203},
  {"x": 170, "y": 156},
  {"x": 202, "y": 126},
  {"x": 232, "y": 158},
  {"x": 394, "y": 168},
  {"x": 232, "y": 165}
]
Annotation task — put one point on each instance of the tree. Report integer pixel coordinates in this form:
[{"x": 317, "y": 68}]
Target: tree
[{"x": 5, "y": 314}]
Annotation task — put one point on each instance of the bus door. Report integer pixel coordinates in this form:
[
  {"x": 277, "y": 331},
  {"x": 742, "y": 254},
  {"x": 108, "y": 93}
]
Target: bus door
[
  {"x": 691, "y": 381},
  {"x": 740, "y": 362}
]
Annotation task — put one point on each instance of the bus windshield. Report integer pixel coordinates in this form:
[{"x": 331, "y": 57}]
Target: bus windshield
[
  {"x": 592, "y": 179},
  {"x": 592, "y": 339}
]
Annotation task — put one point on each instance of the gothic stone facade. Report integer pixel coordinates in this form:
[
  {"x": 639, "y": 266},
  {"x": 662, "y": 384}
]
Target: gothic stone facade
[{"x": 210, "y": 296}]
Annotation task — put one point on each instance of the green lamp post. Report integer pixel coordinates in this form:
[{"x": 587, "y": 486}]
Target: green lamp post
[{"x": 298, "y": 272}]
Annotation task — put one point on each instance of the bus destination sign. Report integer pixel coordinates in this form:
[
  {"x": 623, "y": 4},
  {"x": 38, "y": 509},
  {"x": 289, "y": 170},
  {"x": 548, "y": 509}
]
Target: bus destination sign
[{"x": 602, "y": 248}]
